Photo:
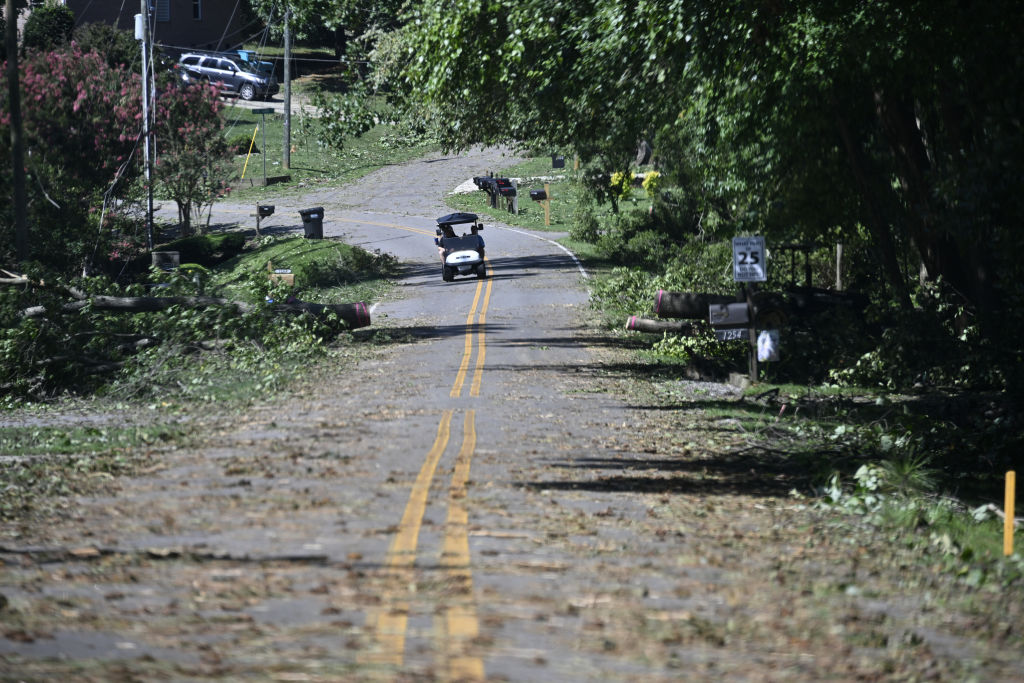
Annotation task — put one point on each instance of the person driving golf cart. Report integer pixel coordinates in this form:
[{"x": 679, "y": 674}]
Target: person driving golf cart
[{"x": 460, "y": 255}]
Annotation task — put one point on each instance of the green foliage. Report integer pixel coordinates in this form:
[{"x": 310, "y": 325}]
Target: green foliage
[
  {"x": 969, "y": 543},
  {"x": 652, "y": 183},
  {"x": 702, "y": 349},
  {"x": 958, "y": 356},
  {"x": 242, "y": 144},
  {"x": 585, "y": 225},
  {"x": 887, "y": 127},
  {"x": 622, "y": 293},
  {"x": 194, "y": 162},
  {"x": 48, "y": 27},
  {"x": 211, "y": 353},
  {"x": 118, "y": 48},
  {"x": 207, "y": 250},
  {"x": 343, "y": 117},
  {"x": 80, "y": 126}
]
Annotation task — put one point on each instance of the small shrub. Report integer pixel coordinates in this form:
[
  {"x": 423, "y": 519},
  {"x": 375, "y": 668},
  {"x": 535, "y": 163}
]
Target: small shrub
[
  {"x": 239, "y": 145},
  {"x": 585, "y": 226},
  {"x": 207, "y": 250},
  {"x": 48, "y": 27}
]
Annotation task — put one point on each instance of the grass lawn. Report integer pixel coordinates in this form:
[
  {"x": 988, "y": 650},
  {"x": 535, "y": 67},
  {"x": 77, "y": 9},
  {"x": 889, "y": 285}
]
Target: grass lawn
[{"x": 312, "y": 163}]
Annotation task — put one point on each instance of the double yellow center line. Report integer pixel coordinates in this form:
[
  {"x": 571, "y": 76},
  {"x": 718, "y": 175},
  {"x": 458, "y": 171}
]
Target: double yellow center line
[{"x": 456, "y": 625}]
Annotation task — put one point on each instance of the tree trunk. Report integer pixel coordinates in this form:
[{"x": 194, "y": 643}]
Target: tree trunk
[
  {"x": 687, "y": 304},
  {"x": 638, "y": 324},
  {"x": 880, "y": 230}
]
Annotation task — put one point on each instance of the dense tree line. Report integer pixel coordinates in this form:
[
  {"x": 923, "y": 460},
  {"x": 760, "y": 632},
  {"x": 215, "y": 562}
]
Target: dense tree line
[{"x": 895, "y": 124}]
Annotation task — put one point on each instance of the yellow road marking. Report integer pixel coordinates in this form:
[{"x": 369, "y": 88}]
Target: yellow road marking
[
  {"x": 481, "y": 348},
  {"x": 459, "y": 624},
  {"x": 407, "y": 228},
  {"x": 467, "y": 352},
  {"x": 392, "y": 620}
]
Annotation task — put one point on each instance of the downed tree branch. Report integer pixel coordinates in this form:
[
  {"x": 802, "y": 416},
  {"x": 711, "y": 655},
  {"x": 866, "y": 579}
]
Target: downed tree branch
[
  {"x": 12, "y": 278},
  {"x": 638, "y": 324},
  {"x": 356, "y": 315}
]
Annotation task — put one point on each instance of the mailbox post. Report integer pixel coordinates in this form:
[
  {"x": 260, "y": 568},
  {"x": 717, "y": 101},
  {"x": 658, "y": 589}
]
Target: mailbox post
[
  {"x": 749, "y": 265},
  {"x": 263, "y": 211},
  {"x": 543, "y": 197}
]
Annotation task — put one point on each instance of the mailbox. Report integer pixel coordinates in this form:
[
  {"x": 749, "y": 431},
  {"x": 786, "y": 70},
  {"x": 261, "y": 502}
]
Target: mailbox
[
  {"x": 505, "y": 188},
  {"x": 264, "y": 210},
  {"x": 557, "y": 161},
  {"x": 538, "y": 195},
  {"x": 484, "y": 183},
  {"x": 730, "y": 321}
]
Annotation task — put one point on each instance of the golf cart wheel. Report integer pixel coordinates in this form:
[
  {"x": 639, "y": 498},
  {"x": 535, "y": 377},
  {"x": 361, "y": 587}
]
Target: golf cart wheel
[
  {"x": 481, "y": 271},
  {"x": 447, "y": 274},
  {"x": 247, "y": 92}
]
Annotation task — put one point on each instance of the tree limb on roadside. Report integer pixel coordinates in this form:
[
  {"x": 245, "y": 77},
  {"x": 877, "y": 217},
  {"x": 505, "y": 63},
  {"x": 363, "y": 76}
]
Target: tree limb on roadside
[{"x": 356, "y": 315}]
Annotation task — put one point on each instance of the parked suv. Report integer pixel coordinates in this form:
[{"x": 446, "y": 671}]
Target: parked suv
[{"x": 234, "y": 75}]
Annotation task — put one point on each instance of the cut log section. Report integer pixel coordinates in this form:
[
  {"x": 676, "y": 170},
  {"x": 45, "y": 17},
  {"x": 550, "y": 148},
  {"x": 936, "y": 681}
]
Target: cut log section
[
  {"x": 638, "y": 324},
  {"x": 688, "y": 305}
]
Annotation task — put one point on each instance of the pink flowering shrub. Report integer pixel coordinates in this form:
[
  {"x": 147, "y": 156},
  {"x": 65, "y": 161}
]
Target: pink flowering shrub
[
  {"x": 82, "y": 119},
  {"x": 192, "y": 166}
]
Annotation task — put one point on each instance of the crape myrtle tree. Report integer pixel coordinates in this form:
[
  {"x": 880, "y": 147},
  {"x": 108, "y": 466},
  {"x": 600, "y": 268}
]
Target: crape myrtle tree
[
  {"x": 807, "y": 119},
  {"x": 81, "y": 125},
  {"x": 193, "y": 156}
]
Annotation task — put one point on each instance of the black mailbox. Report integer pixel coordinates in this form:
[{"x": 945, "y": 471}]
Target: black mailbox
[
  {"x": 505, "y": 188},
  {"x": 484, "y": 182},
  {"x": 730, "y": 321},
  {"x": 265, "y": 210},
  {"x": 538, "y": 195}
]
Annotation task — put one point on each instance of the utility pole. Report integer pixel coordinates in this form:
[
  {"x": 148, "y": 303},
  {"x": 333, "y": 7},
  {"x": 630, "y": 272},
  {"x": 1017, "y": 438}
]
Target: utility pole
[
  {"x": 287, "y": 151},
  {"x": 142, "y": 34},
  {"x": 17, "y": 144}
]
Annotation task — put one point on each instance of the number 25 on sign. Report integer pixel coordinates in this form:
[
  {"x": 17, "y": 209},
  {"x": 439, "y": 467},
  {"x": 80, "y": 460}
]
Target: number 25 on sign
[{"x": 748, "y": 259}]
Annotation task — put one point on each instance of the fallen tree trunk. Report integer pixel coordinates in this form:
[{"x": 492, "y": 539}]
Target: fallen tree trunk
[
  {"x": 356, "y": 315},
  {"x": 687, "y": 304},
  {"x": 638, "y": 324}
]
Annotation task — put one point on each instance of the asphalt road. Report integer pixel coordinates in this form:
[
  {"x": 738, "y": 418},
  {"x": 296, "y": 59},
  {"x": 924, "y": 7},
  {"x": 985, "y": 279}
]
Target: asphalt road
[{"x": 475, "y": 501}]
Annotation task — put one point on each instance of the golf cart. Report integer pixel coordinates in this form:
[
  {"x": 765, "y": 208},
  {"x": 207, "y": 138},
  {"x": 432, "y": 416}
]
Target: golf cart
[{"x": 460, "y": 254}]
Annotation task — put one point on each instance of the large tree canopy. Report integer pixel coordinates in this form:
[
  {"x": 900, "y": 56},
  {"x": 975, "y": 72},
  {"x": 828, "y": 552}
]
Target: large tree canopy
[
  {"x": 901, "y": 117},
  {"x": 346, "y": 19}
]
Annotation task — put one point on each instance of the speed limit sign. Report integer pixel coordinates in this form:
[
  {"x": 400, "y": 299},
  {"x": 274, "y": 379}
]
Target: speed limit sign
[{"x": 748, "y": 259}]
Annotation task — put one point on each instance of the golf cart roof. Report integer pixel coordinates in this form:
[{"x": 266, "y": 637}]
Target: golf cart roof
[{"x": 456, "y": 218}]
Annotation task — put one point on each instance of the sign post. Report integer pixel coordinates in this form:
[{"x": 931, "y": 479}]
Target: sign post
[
  {"x": 749, "y": 265},
  {"x": 263, "y": 117}
]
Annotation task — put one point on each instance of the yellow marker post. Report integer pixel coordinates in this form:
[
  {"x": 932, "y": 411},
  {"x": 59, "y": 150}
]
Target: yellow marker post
[
  {"x": 1011, "y": 485},
  {"x": 249, "y": 154}
]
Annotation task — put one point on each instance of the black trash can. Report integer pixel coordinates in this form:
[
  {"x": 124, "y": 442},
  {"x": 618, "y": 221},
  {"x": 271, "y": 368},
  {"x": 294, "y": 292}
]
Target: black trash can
[{"x": 313, "y": 222}]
